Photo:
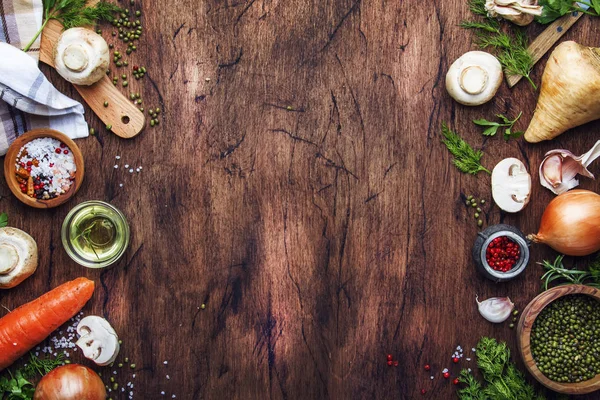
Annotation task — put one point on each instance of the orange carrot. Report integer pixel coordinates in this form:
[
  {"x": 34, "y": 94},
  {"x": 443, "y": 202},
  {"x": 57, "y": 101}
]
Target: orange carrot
[{"x": 30, "y": 324}]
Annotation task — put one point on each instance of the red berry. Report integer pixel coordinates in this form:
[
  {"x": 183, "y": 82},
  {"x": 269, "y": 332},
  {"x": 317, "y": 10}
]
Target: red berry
[
  {"x": 455, "y": 360},
  {"x": 389, "y": 363},
  {"x": 51, "y": 165},
  {"x": 28, "y": 169},
  {"x": 57, "y": 150},
  {"x": 29, "y": 163},
  {"x": 455, "y": 381},
  {"x": 389, "y": 357},
  {"x": 62, "y": 145},
  {"x": 135, "y": 67},
  {"x": 427, "y": 367},
  {"x": 446, "y": 375},
  {"x": 66, "y": 152},
  {"x": 423, "y": 391},
  {"x": 396, "y": 363}
]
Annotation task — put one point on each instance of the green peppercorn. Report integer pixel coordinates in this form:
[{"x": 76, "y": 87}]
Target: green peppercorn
[
  {"x": 203, "y": 306},
  {"x": 511, "y": 326},
  {"x": 108, "y": 128},
  {"x": 119, "y": 64},
  {"x": 157, "y": 110},
  {"x": 142, "y": 109},
  {"x": 476, "y": 215},
  {"x": 115, "y": 386},
  {"x": 112, "y": 379},
  {"x": 125, "y": 83},
  {"x": 152, "y": 122},
  {"x": 92, "y": 131},
  {"x": 480, "y": 223},
  {"x": 470, "y": 197},
  {"x": 138, "y": 13},
  {"x": 478, "y": 209},
  {"x": 106, "y": 104},
  {"x": 126, "y": 359},
  {"x": 132, "y": 366}
]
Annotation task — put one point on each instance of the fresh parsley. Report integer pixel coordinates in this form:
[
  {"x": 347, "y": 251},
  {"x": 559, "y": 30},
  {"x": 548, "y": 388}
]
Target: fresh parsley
[
  {"x": 466, "y": 159},
  {"x": 556, "y": 271},
  {"x": 504, "y": 380},
  {"x": 3, "y": 220},
  {"x": 17, "y": 386},
  {"x": 510, "y": 47},
  {"x": 554, "y": 9},
  {"x": 72, "y": 13},
  {"x": 491, "y": 127}
]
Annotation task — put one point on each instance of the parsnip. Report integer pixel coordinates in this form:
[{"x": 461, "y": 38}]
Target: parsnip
[{"x": 569, "y": 92}]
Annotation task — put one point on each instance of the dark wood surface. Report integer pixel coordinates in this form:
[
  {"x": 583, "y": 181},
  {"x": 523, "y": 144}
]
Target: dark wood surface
[{"x": 301, "y": 193}]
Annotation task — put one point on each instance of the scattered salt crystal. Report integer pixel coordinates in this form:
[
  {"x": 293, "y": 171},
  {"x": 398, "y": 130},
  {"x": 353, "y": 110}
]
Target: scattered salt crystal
[
  {"x": 162, "y": 392},
  {"x": 133, "y": 375},
  {"x": 168, "y": 377},
  {"x": 445, "y": 370},
  {"x": 118, "y": 157},
  {"x": 126, "y": 165},
  {"x": 116, "y": 166},
  {"x": 173, "y": 396},
  {"x": 130, "y": 170},
  {"x": 468, "y": 359},
  {"x": 473, "y": 350},
  {"x": 431, "y": 376},
  {"x": 165, "y": 362},
  {"x": 120, "y": 185}
]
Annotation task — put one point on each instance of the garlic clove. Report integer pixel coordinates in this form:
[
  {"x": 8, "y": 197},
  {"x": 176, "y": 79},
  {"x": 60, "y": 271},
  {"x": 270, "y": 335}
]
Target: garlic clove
[
  {"x": 495, "y": 309},
  {"x": 559, "y": 170},
  {"x": 519, "y": 12}
]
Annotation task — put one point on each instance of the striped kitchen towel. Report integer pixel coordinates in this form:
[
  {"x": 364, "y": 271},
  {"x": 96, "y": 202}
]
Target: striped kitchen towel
[{"x": 29, "y": 99}]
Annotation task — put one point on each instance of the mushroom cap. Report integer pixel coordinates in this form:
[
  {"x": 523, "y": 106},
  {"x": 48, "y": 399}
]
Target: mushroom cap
[
  {"x": 474, "y": 78},
  {"x": 99, "y": 341},
  {"x": 511, "y": 185},
  {"x": 18, "y": 257},
  {"x": 81, "y": 56}
]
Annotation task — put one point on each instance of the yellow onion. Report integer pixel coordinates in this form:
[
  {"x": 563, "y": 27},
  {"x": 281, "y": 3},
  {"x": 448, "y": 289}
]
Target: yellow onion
[
  {"x": 571, "y": 224},
  {"x": 70, "y": 382}
]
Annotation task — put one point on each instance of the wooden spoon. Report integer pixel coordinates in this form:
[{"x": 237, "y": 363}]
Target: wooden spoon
[{"x": 126, "y": 119}]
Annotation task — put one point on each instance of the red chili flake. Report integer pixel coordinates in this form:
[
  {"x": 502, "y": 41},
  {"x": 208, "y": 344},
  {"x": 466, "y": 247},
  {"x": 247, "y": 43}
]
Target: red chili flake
[
  {"x": 396, "y": 363},
  {"x": 427, "y": 367},
  {"x": 502, "y": 254},
  {"x": 29, "y": 163},
  {"x": 135, "y": 67},
  {"x": 446, "y": 375},
  {"x": 423, "y": 391},
  {"x": 22, "y": 164},
  {"x": 456, "y": 382},
  {"x": 389, "y": 363},
  {"x": 389, "y": 357},
  {"x": 57, "y": 150},
  {"x": 455, "y": 360},
  {"x": 62, "y": 145},
  {"x": 66, "y": 152},
  {"x": 51, "y": 164},
  {"x": 28, "y": 169}
]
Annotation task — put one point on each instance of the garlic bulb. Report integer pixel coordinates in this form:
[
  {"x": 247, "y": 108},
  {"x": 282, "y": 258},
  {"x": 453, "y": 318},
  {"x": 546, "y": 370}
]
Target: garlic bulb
[
  {"x": 559, "y": 170},
  {"x": 81, "y": 56},
  {"x": 474, "y": 78},
  {"x": 519, "y": 12},
  {"x": 495, "y": 309}
]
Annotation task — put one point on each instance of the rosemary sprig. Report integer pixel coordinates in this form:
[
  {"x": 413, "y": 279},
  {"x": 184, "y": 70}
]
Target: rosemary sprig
[
  {"x": 557, "y": 271},
  {"x": 466, "y": 159},
  {"x": 510, "y": 48},
  {"x": 72, "y": 13},
  {"x": 85, "y": 235}
]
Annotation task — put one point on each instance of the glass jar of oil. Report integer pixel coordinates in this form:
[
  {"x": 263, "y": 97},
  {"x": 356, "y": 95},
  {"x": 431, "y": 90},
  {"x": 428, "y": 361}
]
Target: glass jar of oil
[{"x": 95, "y": 234}]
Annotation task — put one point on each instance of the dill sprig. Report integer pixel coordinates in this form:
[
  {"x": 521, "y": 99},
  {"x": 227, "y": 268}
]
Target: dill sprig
[
  {"x": 504, "y": 380},
  {"x": 72, "y": 13},
  {"x": 510, "y": 48},
  {"x": 466, "y": 159}
]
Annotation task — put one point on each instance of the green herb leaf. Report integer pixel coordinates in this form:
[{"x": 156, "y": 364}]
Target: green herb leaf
[
  {"x": 504, "y": 380},
  {"x": 494, "y": 126},
  {"x": 466, "y": 159},
  {"x": 72, "y": 13},
  {"x": 485, "y": 122},
  {"x": 3, "y": 220},
  {"x": 491, "y": 131}
]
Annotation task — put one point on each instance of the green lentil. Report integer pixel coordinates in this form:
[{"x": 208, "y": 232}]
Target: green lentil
[
  {"x": 152, "y": 122},
  {"x": 125, "y": 83},
  {"x": 112, "y": 379},
  {"x": 565, "y": 339},
  {"x": 120, "y": 365},
  {"x": 126, "y": 359},
  {"x": 203, "y": 306},
  {"x": 478, "y": 209},
  {"x": 138, "y": 13},
  {"x": 469, "y": 197},
  {"x": 92, "y": 131},
  {"x": 124, "y": 76},
  {"x": 480, "y": 223},
  {"x": 476, "y": 215},
  {"x": 108, "y": 128},
  {"x": 106, "y": 104},
  {"x": 132, "y": 366},
  {"x": 115, "y": 386}
]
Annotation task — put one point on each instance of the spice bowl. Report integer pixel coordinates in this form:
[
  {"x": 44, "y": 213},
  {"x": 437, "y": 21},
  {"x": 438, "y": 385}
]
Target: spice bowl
[
  {"x": 14, "y": 172},
  {"x": 524, "y": 329},
  {"x": 494, "y": 237},
  {"x": 95, "y": 234}
]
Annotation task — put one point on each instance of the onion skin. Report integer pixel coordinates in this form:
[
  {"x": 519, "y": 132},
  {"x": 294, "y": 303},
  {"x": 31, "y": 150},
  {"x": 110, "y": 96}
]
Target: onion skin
[
  {"x": 70, "y": 382},
  {"x": 571, "y": 224}
]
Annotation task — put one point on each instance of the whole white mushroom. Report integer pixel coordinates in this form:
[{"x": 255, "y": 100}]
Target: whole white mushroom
[
  {"x": 81, "y": 56},
  {"x": 18, "y": 257},
  {"x": 474, "y": 78}
]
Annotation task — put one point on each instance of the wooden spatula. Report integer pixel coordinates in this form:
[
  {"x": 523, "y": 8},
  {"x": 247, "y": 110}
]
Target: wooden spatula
[
  {"x": 126, "y": 119},
  {"x": 546, "y": 40}
]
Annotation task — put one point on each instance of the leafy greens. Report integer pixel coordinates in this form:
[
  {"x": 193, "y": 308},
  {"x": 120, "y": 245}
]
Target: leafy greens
[
  {"x": 3, "y": 220},
  {"x": 504, "y": 380},
  {"x": 17, "y": 386},
  {"x": 466, "y": 159},
  {"x": 72, "y": 13},
  {"x": 491, "y": 127},
  {"x": 554, "y": 9}
]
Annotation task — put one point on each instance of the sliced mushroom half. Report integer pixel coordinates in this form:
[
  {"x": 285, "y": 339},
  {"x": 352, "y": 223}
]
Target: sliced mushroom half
[
  {"x": 511, "y": 185},
  {"x": 18, "y": 257},
  {"x": 99, "y": 341}
]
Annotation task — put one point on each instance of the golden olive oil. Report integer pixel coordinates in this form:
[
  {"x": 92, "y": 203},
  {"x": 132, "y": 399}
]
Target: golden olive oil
[{"x": 97, "y": 234}]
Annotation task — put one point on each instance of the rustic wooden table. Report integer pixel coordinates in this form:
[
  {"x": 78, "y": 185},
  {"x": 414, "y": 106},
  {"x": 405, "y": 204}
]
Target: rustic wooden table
[{"x": 297, "y": 187}]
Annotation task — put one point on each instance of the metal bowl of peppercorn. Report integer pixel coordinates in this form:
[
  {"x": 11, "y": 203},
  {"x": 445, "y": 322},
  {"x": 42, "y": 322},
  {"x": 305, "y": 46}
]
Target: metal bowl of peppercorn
[
  {"x": 559, "y": 339},
  {"x": 500, "y": 252},
  {"x": 43, "y": 168}
]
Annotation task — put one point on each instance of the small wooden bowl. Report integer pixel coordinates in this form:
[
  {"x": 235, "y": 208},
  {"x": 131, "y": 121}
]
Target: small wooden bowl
[
  {"x": 524, "y": 335},
  {"x": 10, "y": 169}
]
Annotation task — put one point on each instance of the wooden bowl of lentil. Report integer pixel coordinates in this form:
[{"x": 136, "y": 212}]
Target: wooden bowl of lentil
[
  {"x": 10, "y": 168},
  {"x": 524, "y": 328}
]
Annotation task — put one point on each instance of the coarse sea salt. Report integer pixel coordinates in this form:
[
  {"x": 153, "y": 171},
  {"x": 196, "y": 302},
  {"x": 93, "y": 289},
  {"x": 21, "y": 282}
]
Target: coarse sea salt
[{"x": 55, "y": 167}]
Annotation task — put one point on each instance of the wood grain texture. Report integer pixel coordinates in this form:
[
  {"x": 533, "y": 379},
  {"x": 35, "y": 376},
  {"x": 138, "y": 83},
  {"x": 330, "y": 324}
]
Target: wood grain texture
[
  {"x": 10, "y": 168},
  {"x": 533, "y": 309},
  {"x": 544, "y": 42},
  {"x": 297, "y": 187},
  {"x": 125, "y": 118}
]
